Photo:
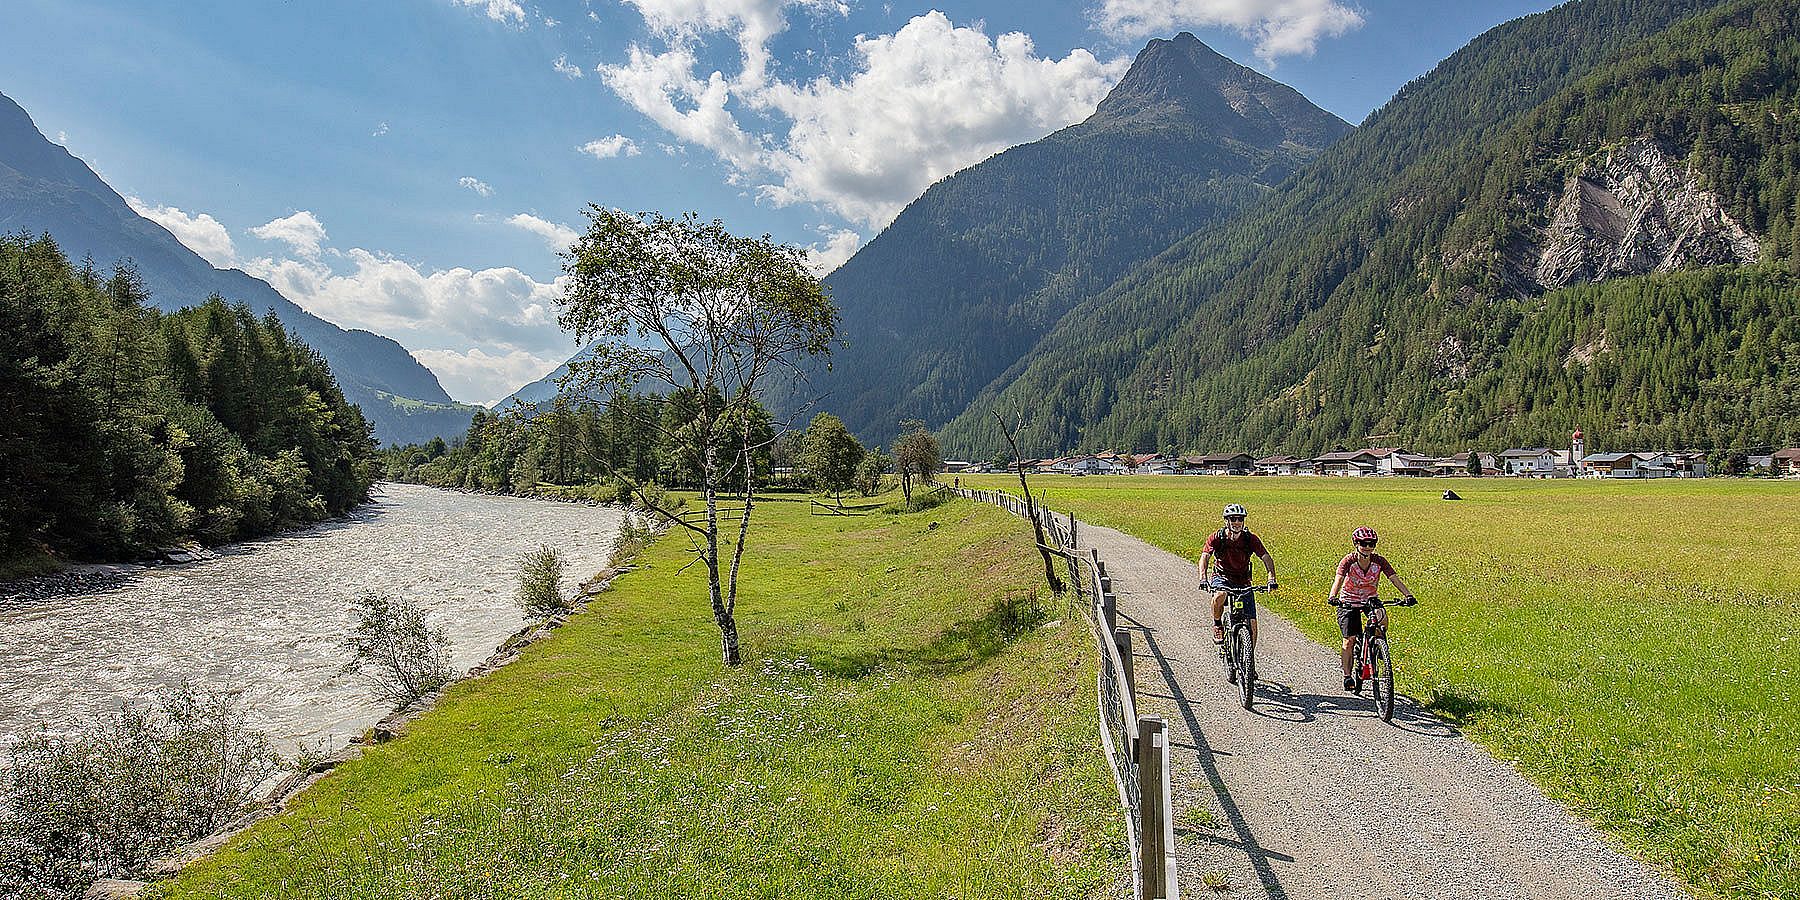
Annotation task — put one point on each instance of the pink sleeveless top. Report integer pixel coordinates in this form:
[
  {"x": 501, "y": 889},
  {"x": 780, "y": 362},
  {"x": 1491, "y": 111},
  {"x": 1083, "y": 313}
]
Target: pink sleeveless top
[{"x": 1363, "y": 584}]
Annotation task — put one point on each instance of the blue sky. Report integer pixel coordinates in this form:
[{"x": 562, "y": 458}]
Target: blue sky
[{"x": 371, "y": 159}]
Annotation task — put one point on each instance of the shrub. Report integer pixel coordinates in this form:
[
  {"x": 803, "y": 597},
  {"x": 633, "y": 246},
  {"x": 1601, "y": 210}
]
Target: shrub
[
  {"x": 540, "y": 582},
  {"x": 106, "y": 799},
  {"x": 392, "y": 645}
]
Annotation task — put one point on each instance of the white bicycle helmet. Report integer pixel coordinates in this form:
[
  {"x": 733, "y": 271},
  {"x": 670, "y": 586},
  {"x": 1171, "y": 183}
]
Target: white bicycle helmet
[{"x": 1235, "y": 509}]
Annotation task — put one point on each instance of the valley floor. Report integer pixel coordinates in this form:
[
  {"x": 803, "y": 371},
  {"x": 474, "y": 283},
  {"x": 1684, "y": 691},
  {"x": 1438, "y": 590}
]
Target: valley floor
[{"x": 914, "y": 718}]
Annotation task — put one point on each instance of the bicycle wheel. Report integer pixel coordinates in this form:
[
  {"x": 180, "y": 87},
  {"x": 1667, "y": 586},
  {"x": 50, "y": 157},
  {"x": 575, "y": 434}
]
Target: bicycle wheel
[
  {"x": 1384, "y": 678},
  {"x": 1246, "y": 666}
]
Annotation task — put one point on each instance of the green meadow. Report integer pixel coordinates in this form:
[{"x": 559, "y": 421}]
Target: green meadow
[
  {"x": 914, "y": 718},
  {"x": 1632, "y": 647}
]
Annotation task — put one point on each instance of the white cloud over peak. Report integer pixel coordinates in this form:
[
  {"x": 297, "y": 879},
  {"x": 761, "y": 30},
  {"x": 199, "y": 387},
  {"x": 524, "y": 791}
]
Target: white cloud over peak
[
  {"x": 509, "y": 12},
  {"x": 301, "y": 231},
  {"x": 609, "y": 147},
  {"x": 476, "y": 185},
  {"x": 1279, "y": 27},
  {"x": 556, "y": 235},
  {"x": 837, "y": 248},
  {"x": 486, "y": 378},
  {"x": 926, "y": 101},
  {"x": 199, "y": 232},
  {"x": 922, "y": 103}
]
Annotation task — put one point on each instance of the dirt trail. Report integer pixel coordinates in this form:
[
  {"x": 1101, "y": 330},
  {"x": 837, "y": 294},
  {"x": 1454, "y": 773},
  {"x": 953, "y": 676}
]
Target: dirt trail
[{"x": 1312, "y": 796}]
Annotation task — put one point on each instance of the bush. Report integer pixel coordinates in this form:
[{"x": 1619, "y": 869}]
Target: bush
[
  {"x": 106, "y": 799},
  {"x": 392, "y": 645},
  {"x": 635, "y": 533},
  {"x": 540, "y": 582}
]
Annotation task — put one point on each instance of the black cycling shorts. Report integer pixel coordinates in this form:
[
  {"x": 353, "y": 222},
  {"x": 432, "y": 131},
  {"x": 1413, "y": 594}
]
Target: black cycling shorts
[
  {"x": 1220, "y": 583},
  {"x": 1350, "y": 620}
]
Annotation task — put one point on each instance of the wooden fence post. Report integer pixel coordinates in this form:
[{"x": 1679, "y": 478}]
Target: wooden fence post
[
  {"x": 1072, "y": 531},
  {"x": 1122, "y": 639},
  {"x": 1153, "y": 757}
]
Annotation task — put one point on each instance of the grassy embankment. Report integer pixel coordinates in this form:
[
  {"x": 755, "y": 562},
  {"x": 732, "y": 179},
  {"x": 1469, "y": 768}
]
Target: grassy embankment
[
  {"x": 1632, "y": 647},
  {"x": 903, "y": 727}
]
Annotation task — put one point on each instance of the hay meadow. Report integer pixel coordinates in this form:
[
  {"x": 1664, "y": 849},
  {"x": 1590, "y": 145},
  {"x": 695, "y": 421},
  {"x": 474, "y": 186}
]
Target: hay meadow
[{"x": 1632, "y": 647}]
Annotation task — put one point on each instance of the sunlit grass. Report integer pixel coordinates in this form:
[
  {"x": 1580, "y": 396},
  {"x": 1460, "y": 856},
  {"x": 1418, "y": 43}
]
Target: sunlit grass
[
  {"x": 1631, "y": 646},
  {"x": 907, "y": 724}
]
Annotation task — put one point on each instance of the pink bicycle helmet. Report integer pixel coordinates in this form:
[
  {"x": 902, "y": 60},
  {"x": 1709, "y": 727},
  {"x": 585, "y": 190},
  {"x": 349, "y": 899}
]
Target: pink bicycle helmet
[{"x": 1364, "y": 533}]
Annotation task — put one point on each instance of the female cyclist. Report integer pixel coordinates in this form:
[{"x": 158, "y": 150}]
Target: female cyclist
[{"x": 1357, "y": 583}]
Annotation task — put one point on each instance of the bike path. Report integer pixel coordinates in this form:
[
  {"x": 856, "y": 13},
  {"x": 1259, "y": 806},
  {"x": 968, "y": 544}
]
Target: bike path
[{"x": 1311, "y": 795}]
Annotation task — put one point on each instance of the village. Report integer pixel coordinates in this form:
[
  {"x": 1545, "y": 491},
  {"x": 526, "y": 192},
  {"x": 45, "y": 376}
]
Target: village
[{"x": 1518, "y": 462}]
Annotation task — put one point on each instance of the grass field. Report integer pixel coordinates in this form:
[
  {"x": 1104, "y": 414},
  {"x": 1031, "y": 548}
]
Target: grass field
[
  {"x": 908, "y": 724},
  {"x": 1632, "y": 647}
]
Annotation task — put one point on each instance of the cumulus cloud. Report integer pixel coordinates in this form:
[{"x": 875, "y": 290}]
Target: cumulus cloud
[
  {"x": 509, "y": 12},
  {"x": 920, "y": 104},
  {"x": 476, "y": 185},
  {"x": 557, "y": 235},
  {"x": 1279, "y": 27},
  {"x": 301, "y": 231},
  {"x": 486, "y": 378},
  {"x": 837, "y": 248},
  {"x": 609, "y": 147},
  {"x": 199, "y": 232},
  {"x": 562, "y": 65}
]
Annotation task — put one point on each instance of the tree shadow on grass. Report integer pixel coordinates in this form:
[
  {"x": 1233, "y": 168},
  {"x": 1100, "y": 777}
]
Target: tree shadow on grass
[{"x": 959, "y": 648}]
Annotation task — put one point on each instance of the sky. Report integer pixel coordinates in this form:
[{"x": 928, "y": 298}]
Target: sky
[{"x": 373, "y": 159}]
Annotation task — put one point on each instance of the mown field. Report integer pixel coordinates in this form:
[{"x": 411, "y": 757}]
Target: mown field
[
  {"x": 1632, "y": 647},
  {"x": 911, "y": 721}
]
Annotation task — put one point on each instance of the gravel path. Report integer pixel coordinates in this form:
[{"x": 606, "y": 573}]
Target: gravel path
[{"x": 1312, "y": 796}]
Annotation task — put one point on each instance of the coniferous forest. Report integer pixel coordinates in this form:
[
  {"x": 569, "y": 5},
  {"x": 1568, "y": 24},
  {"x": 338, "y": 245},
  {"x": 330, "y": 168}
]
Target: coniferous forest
[
  {"x": 125, "y": 429},
  {"x": 1386, "y": 294}
]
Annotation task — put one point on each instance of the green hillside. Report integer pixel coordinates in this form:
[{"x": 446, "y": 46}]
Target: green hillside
[
  {"x": 971, "y": 274},
  {"x": 1426, "y": 281}
]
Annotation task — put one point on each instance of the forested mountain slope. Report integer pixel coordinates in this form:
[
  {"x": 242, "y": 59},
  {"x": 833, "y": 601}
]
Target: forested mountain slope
[
  {"x": 972, "y": 273},
  {"x": 1457, "y": 270},
  {"x": 44, "y": 189}
]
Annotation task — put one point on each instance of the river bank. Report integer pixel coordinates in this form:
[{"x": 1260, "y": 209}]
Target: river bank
[{"x": 267, "y": 617}]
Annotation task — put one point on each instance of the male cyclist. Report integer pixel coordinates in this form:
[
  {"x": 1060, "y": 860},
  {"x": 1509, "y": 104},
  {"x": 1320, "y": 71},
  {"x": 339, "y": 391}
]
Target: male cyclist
[
  {"x": 1225, "y": 563},
  {"x": 1359, "y": 578}
]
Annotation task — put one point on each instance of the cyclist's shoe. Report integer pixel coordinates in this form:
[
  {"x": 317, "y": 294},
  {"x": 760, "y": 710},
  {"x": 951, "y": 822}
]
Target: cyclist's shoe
[
  {"x": 1218, "y": 634},
  {"x": 1350, "y": 684}
]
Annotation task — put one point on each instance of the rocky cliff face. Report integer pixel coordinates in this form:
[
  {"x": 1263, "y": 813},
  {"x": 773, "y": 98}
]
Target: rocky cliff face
[{"x": 1633, "y": 211}]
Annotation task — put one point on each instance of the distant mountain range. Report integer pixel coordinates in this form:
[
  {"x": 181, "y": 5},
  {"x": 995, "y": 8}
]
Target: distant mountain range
[
  {"x": 1584, "y": 218},
  {"x": 44, "y": 189}
]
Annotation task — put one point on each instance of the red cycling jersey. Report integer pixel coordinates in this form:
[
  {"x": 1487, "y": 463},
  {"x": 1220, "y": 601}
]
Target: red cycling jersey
[{"x": 1360, "y": 583}]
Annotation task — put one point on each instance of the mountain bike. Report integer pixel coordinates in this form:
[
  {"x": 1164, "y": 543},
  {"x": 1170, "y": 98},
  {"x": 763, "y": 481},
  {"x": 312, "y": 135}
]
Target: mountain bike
[
  {"x": 1370, "y": 661},
  {"x": 1238, "y": 652}
]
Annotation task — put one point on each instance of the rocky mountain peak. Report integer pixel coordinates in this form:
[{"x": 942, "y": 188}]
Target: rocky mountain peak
[{"x": 1183, "y": 83}]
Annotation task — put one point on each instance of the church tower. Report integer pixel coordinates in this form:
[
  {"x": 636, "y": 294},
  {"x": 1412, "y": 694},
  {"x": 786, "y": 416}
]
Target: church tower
[{"x": 1577, "y": 450}]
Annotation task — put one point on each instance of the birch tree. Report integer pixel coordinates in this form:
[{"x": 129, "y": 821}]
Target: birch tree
[{"x": 684, "y": 304}]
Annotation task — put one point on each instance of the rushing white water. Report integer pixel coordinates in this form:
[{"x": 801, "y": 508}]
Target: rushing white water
[{"x": 268, "y": 617}]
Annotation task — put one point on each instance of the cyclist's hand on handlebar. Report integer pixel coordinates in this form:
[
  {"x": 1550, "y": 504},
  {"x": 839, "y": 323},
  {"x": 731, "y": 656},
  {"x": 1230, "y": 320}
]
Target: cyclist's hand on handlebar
[
  {"x": 1409, "y": 600},
  {"x": 1334, "y": 601},
  {"x": 1273, "y": 586}
]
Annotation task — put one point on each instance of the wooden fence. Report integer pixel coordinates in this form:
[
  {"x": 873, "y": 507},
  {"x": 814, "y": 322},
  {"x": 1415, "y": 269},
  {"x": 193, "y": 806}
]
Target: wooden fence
[{"x": 1137, "y": 747}]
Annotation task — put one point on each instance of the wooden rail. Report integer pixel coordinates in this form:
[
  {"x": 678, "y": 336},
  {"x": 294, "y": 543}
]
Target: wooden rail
[{"x": 1136, "y": 746}]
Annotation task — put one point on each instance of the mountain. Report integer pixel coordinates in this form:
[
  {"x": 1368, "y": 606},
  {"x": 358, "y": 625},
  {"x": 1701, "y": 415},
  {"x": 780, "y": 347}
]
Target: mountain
[
  {"x": 971, "y": 274},
  {"x": 44, "y": 189},
  {"x": 1584, "y": 217}
]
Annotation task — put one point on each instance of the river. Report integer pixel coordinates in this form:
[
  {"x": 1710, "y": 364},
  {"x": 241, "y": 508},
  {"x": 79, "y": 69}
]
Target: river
[{"x": 268, "y": 617}]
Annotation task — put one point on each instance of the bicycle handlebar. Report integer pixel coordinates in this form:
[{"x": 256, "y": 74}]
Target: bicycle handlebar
[
  {"x": 1246, "y": 589},
  {"x": 1377, "y": 602}
]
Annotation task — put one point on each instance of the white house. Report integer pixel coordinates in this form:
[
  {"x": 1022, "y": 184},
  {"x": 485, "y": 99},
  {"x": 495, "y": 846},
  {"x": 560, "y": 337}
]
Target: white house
[{"x": 1534, "y": 462}]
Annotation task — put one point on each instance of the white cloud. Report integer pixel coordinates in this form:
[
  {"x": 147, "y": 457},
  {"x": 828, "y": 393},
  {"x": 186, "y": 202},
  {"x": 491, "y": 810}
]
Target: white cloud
[
  {"x": 609, "y": 147},
  {"x": 839, "y": 247},
  {"x": 379, "y": 130},
  {"x": 503, "y": 11},
  {"x": 922, "y": 103},
  {"x": 562, "y": 65},
  {"x": 1279, "y": 27},
  {"x": 476, "y": 185},
  {"x": 199, "y": 232},
  {"x": 558, "y": 236},
  {"x": 486, "y": 378},
  {"x": 751, "y": 22},
  {"x": 301, "y": 231}
]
